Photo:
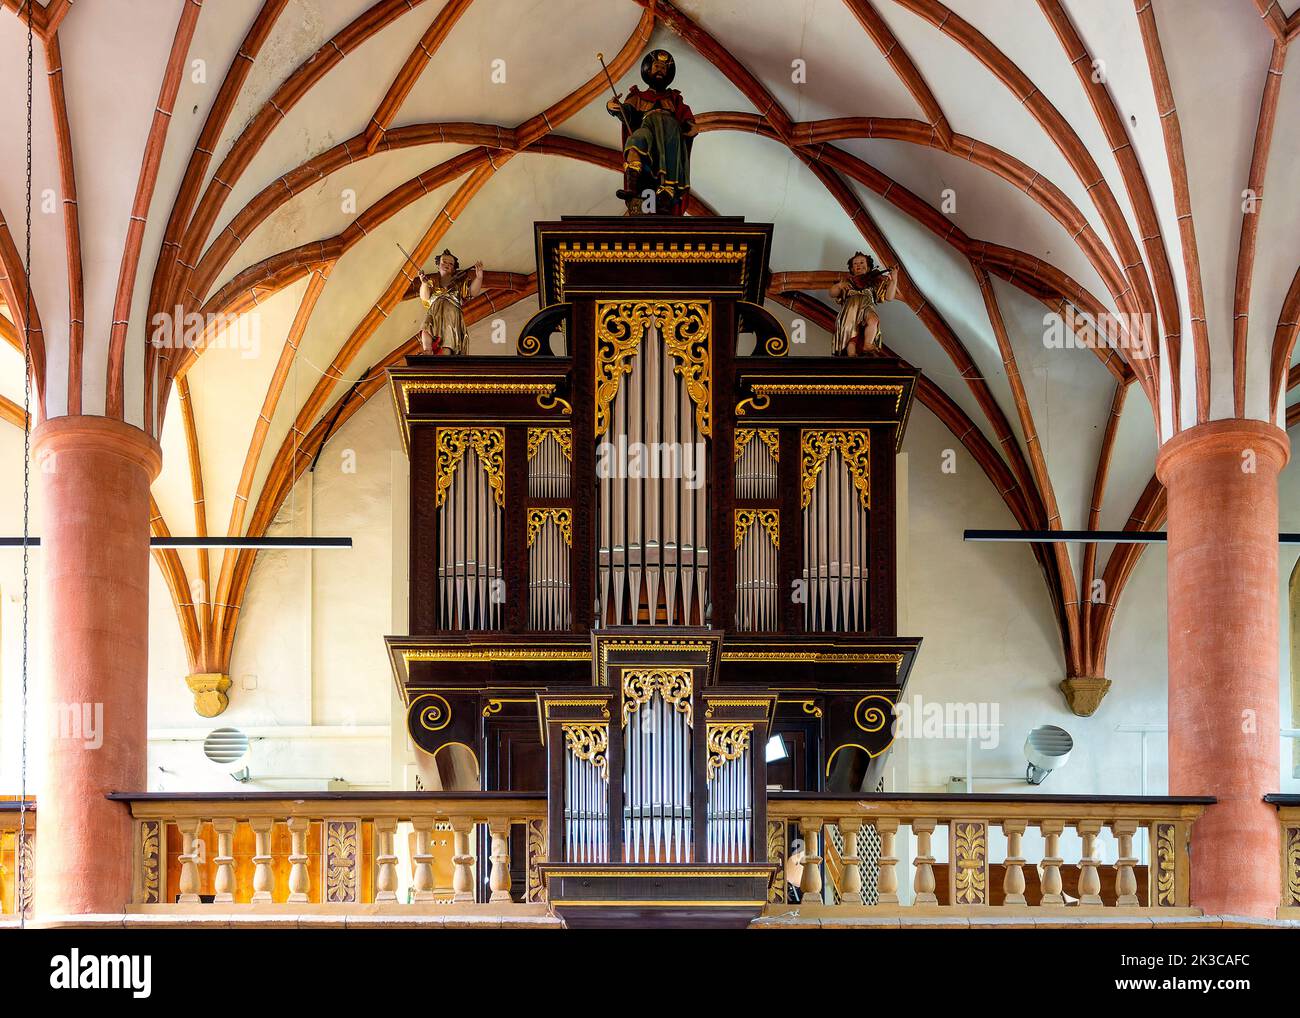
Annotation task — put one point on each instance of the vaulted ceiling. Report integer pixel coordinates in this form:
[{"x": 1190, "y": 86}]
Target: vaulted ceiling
[{"x": 263, "y": 159}]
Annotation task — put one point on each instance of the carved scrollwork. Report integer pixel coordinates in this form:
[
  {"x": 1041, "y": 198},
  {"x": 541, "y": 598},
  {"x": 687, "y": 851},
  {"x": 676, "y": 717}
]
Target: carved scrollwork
[
  {"x": 1292, "y": 889},
  {"x": 727, "y": 741},
  {"x": 150, "y": 868},
  {"x": 562, "y": 518},
  {"x": 776, "y": 835},
  {"x": 536, "y": 891},
  {"x": 768, "y": 436},
  {"x": 1166, "y": 866},
  {"x": 590, "y": 743},
  {"x": 563, "y": 437},
  {"x": 431, "y": 711},
  {"x": 673, "y": 684},
  {"x": 686, "y": 327},
  {"x": 855, "y": 450},
  {"x": 488, "y": 443},
  {"x": 769, "y": 519}
]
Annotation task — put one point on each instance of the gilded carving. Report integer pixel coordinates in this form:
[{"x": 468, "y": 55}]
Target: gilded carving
[
  {"x": 769, "y": 389},
  {"x": 469, "y": 388},
  {"x": 872, "y": 712},
  {"x": 1166, "y": 866},
  {"x": 536, "y": 890},
  {"x": 341, "y": 861},
  {"x": 727, "y": 741},
  {"x": 488, "y": 443},
  {"x": 855, "y": 451},
  {"x": 1292, "y": 889},
  {"x": 590, "y": 743},
  {"x": 673, "y": 684},
  {"x": 776, "y": 848},
  {"x": 686, "y": 328},
  {"x": 769, "y": 519},
  {"x": 563, "y": 438},
  {"x": 150, "y": 840},
  {"x": 970, "y": 858},
  {"x": 562, "y": 518},
  {"x": 770, "y": 437}
]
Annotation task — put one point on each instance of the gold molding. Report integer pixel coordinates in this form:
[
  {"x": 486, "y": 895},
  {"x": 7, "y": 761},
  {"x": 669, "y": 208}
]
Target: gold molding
[
  {"x": 727, "y": 741},
  {"x": 590, "y": 702},
  {"x": 673, "y": 684},
  {"x": 769, "y": 389},
  {"x": 770, "y": 519},
  {"x": 588, "y": 741},
  {"x": 649, "y": 252},
  {"x": 562, "y": 518},
  {"x": 855, "y": 450},
  {"x": 471, "y": 388},
  {"x": 809, "y": 707},
  {"x": 815, "y": 657},
  {"x": 494, "y": 654},
  {"x": 650, "y": 646},
  {"x": 686, "y": 327},
  {"x": 488, "y": 443},
  {"x": 563, "y": 438}
]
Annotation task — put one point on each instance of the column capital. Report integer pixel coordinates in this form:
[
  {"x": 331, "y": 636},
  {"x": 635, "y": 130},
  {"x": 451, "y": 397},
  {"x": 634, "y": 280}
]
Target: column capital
[
  {"x": 1223, "y": 437},
  {"x": 104, "y": 434}
]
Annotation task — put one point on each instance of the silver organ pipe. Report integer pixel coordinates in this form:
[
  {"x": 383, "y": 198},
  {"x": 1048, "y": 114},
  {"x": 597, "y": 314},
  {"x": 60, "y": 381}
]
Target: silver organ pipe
[
  {"x": 653, "y": 558},
  {"x": 550, "y": 530},
  {"x": 757, "y": 587},
  {"x": 470, "y": 527},
  {"x": 586, "y": 794},
  {"x": 657, "y": 783},
  {"x": 756, "y": 467},
  {"x": 730, "y": 816},
  {"x": 835, "y": 551}
]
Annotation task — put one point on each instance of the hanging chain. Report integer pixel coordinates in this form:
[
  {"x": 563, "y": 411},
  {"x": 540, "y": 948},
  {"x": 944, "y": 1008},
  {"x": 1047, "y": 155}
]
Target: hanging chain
[{"x": 24, "y": 878}]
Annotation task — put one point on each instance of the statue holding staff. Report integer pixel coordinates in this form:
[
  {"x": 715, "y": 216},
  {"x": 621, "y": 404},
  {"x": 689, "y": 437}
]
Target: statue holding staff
[
  {"x": 857, "y": 326},
  {"x": 658, "y": 130},
  {"x": 443, "y": 296}
]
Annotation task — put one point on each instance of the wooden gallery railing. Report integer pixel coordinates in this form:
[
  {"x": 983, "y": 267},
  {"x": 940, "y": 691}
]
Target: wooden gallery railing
[
  {"x": 338, "y": 852},
  {"x": 10, "y": 823},
  {"x": 839, "y": 862}
]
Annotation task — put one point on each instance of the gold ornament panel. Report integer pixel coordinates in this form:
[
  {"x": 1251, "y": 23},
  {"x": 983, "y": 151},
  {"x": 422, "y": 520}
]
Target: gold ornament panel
[
  {"x": 589, "y": 743},
  {"x": 673, "y": 684},
  {"x": 451, "y": 446},
  {"x": 726, "y": 741},
  {"x": 855, "y": 450},
  {"x": 686, "y": 327},
  {"x": 562, "y": 518},
  {"x": 768, "y": 519}
]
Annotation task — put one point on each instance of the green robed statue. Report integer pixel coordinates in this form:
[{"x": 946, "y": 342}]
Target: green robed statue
[{"x": 658, "y": 129}]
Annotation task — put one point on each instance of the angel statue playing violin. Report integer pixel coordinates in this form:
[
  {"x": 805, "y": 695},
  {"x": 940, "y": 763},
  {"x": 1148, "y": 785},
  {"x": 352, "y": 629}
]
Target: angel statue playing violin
[
  {"x": 443, "y": 296},
  {"x": 857, "y": 326}
]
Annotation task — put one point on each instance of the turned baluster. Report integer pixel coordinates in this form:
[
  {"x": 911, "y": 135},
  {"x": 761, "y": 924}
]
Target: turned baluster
[
  {"x": 499, "y": 879},
  {"x": 263, "y": 880},
  {"x": 1013, "y": 883},
  {"x": 423, "y": 856},
  {"x": 924, "y": 862},
  {"x": 299, "y": 881},
  {"x": 1052, "y": 862},
  {"x": 191, "y": 856},
  {"x": 1089, "y": 878},
  {"x": 851, "y": 892},
  {"x": 385, "y": 860},
  {"x": 1125, "y": 876},
  {"x": 810, "y": 885},
  {"x": 462, "y": 860},
  {"x": 223, "y": 881},
  {"x": 887, "y": 893}
]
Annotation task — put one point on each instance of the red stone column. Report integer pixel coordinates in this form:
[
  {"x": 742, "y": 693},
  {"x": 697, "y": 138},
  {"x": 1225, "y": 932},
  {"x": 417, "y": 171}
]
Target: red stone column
[
  {"x": 1222, "y": 483},
  {"x": 94, "y": 475}
]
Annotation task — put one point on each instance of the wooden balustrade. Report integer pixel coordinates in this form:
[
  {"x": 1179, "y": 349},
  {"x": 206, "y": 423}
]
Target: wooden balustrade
[
  {"x": 1288, "y": 814},
  {"x": 338, "y": 852},
  {"x": 973, "y": 879},
  {"x": 10, "y": 823}
]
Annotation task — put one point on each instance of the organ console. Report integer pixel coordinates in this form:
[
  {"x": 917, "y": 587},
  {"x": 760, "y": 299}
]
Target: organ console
[{"x": 644, "y": 549}]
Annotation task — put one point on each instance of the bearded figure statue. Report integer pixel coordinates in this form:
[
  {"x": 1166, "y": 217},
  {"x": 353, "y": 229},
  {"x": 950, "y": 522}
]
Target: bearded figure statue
[{"x": 658, "y": 129}]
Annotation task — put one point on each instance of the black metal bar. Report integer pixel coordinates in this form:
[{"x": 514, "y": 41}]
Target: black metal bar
[{"x": 217, "y": 542}]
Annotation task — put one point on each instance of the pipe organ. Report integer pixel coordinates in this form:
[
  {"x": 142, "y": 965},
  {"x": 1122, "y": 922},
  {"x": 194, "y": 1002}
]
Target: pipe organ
[{"x": 652, "y": 566}]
